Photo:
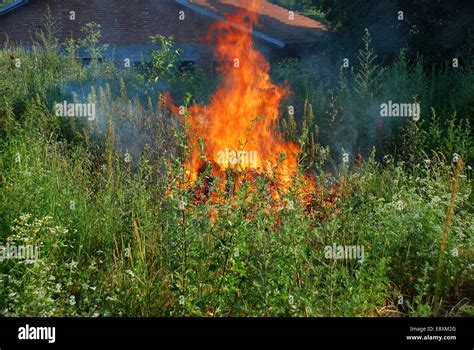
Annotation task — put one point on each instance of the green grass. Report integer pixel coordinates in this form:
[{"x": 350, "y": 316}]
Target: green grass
[{"x": 127, "y": 249}]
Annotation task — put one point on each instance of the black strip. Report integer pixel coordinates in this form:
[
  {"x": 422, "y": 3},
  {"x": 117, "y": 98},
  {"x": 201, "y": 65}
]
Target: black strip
[{"x": 89, "y": 332}]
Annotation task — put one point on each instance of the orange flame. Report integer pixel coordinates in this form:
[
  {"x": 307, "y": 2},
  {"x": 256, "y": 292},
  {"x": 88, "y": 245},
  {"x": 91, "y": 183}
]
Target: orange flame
[
  {"x": 238, "y": 128},
  {"x": 236, "y": 133}
]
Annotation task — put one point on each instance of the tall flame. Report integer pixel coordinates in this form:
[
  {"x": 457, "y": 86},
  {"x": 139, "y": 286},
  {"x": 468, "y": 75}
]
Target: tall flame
[{"x": 238, "y": 127}]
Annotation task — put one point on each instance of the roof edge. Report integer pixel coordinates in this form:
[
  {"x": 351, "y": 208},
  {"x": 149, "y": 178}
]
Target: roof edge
[{"x": 255, "y": 33}]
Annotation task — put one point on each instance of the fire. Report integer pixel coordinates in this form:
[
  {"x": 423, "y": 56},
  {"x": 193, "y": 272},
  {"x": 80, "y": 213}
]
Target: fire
[
  {"x": 236, "y": 135},
  {"x": 238, "y": 128}
]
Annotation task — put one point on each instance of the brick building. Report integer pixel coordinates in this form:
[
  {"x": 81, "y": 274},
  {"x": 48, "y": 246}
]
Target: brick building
[{"x": 126, "y": 25}]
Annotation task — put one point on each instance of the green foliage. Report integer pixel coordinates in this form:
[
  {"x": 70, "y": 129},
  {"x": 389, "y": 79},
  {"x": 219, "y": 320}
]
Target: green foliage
[
  {"x": 126, "y": 249},
  {"x": 433, "y": 30},
  {"x": 306, "y": 7},
  {"x": 367, "y": 77},
  {"x": 346, "y": 112},
  {"x": 91, "y": 41},
  {"x": 164, "y": 60}
]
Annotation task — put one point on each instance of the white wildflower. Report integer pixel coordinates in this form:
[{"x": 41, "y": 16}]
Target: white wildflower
[
  {"x": 400, "y": 205},
  {"x": 290, "y": 205}
]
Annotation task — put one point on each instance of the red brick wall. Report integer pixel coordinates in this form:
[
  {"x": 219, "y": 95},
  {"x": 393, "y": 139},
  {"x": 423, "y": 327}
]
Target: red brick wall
[{"x": 124, "y": 22}]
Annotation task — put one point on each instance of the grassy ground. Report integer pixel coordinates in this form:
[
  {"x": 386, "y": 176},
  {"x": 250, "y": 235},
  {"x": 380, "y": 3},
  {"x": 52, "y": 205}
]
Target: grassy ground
[{"x": 117, "y": 236}]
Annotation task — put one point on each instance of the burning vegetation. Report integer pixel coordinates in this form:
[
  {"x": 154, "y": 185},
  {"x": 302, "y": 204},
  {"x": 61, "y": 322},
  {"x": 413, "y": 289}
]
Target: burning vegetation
[{"x": 236, "y": 137}]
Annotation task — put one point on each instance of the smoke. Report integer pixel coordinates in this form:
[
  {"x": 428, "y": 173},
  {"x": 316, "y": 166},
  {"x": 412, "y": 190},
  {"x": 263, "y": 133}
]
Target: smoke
[
  {"x": 356, "y": 127},
  {"x": 136, "y": 124}
]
